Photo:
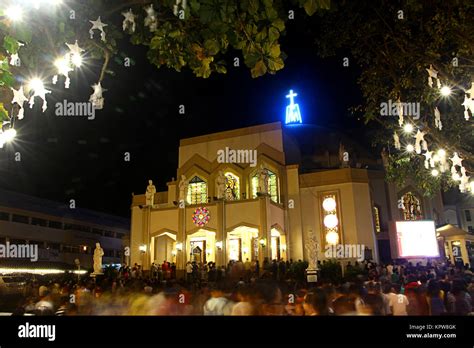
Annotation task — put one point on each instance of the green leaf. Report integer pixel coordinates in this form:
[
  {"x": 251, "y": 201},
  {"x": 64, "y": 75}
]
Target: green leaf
[
  {"x": 276, "y": 64},
  {"x": 253, "y": 7},
  {"x": 3, "y": 113},
  {"x": 10, "y": 44},
  {"x": 212, "y": 46},
  {"x": 273, "y": 34},
  {"x": 279, "y": 24},
  {"x": 310, "y": 6},
  {"x": 275, "y": 51},
  {"x": 259, "y": 69},
  {"x": 195, "y": 5}
]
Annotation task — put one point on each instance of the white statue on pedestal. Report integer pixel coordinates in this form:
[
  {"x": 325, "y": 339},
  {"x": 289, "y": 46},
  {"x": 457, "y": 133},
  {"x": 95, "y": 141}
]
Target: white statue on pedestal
[
  {"x": 221, "y": 185},
  {"x": 98, "y": 253},
  {"x": 312, "y": 247},
  {"x": 150, "y": 193},
  {"x": 262, "y": 180},
  {"x": 183, "y": 188}
]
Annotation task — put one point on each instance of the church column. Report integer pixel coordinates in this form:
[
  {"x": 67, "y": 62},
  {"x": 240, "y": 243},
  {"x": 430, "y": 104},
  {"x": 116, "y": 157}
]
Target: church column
[
  {"x": 147, "y": 240},
  {"x": 220, "y": 235},
  {"x": 264, "y": 231},
  {"x": 181, "y": 239}
]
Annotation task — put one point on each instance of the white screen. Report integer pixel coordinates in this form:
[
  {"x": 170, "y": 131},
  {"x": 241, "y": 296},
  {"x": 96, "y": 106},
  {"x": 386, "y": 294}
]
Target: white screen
[{"x": 417, "y": 239}]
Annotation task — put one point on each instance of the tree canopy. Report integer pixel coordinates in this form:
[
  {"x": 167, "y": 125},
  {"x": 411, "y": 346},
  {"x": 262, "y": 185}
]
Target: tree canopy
[{"x": 393, "y": 44}]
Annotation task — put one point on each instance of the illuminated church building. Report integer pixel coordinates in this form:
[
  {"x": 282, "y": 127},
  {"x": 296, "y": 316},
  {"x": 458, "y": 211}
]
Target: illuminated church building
[{"x": 304, "y": 181}]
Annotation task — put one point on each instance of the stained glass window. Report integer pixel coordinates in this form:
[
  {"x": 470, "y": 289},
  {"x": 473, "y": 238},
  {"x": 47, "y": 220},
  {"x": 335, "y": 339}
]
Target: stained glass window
[
  {"x": 411, "y": 207},
  {"x": 232, "y": 187},
  {"x": 272, "y": 186},
  {"x": 197, "y": 191}
]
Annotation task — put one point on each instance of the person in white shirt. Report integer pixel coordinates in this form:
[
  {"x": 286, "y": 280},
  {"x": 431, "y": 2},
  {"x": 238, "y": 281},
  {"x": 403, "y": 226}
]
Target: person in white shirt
[{"x": 398, "y": 302}]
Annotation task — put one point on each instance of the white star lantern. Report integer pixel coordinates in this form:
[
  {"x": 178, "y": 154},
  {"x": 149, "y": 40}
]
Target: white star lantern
[
  {"x": 438, "y": 123},
  {"x": 97, "y": 24},
  {"x": 39, "y": 91},
  {"x": 471, "y": 91},
  {"x": 75, "y": 54},
  {"x": 150, "y": 19},
  {"x": 433, "y": 74},
  {"x": 64, "y": 68},
  {"x": 420, "y": 142},
  {"x": 429, "y": 161},
  {"x": 468, "y": 105},
  {"x": 96, "y": 98},
  {"x": 396, "y": 140},
  {"x": 177, "y": 5},
  {"x": 19, "y": 98},
  {"x": 15, "y": 60},
  {"x": 129, "y": 21},
  {"x": 457, "y": 161},
  {"x": 400, "y": 112}
]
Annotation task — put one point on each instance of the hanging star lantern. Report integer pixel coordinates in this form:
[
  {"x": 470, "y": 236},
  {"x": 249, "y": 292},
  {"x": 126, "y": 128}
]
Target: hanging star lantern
[
  {"x": 62, "y": 64},
  {"x": 150, "y": 19},
  {"x": 457, "y": 161},
  {"x": 438, "y": 123},
  {"x": 179, "y": 3},
  {"x": 129, "y": 21},
  {"x": 396, "y": 140},
  {"x": 464, "y": 185},
  {"x": 19, "y": 98},
  {"x": 471, "y": 91},
  {"x": 15, "y": 59},
  {"x": 429, "y": 161},
  {"x": 420, "y": 142},
  {"x": 97, "y": 24},
  {"x": 400, "y": 112},
  {"x": 39, "y": 91},
  {"x": 75, "y": 49},
  {"x": 96, "y": 98},
  {"x": 433, "y": 74},
  {"x": 468, "y": 105}
]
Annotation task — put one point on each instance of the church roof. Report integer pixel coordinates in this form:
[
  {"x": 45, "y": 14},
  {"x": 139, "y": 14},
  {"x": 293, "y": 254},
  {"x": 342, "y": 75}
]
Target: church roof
[{"x": 231, "y": 133}]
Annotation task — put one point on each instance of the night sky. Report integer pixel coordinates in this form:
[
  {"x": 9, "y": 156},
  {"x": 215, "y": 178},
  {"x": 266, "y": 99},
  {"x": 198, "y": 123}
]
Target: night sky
[{"x": 64, "y": 158}]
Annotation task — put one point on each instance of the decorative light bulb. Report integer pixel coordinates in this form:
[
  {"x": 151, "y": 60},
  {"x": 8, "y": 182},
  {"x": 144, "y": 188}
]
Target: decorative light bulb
[
  {"x": 331, "y": 221},
  {"x": 329, "y": 204},
  {"x": 14, "y": 13},
  {"x": 445, "y": 91},
  {"x": 408, "y": 128},
  {"x": 332, "y": 238},
  {"x": 410, "y": 148}
]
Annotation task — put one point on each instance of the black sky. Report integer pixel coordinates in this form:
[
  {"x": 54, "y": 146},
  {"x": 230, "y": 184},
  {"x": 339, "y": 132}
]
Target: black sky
[{"x": 64, "y": 158}]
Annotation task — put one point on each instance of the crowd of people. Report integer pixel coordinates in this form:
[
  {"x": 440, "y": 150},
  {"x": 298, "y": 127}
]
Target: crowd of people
[{"x": 245, "y": 288}]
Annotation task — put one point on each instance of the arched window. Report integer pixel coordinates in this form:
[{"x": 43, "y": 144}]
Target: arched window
[
  {"x": 232, "y": 187},
  {"x": 272, "y": 185},
  {"x": 197, "y": 191},
  {"x": 410, "y": 206}
]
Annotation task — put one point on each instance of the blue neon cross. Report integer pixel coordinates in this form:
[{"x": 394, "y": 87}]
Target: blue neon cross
[{"x": 293, "y": 114}]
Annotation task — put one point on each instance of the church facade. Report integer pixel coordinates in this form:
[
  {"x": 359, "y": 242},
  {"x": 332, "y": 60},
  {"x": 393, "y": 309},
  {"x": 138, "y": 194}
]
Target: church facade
[{"x": 241, "y": 194}]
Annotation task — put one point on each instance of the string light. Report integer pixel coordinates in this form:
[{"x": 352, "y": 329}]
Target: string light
[
  {"x": 408, "y": 128},
  {"x": 445, "y": 91},
  {"x": 435, "y": 172},
  {"x": 410, "y": 148},
  {"x": 14, "y": 13}
]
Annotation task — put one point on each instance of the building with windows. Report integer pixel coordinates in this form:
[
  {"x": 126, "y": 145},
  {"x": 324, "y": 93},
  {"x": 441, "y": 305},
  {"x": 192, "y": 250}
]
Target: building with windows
[
  {"x": 61, "y": 233},
  {"x": 305, "y": 181}
]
